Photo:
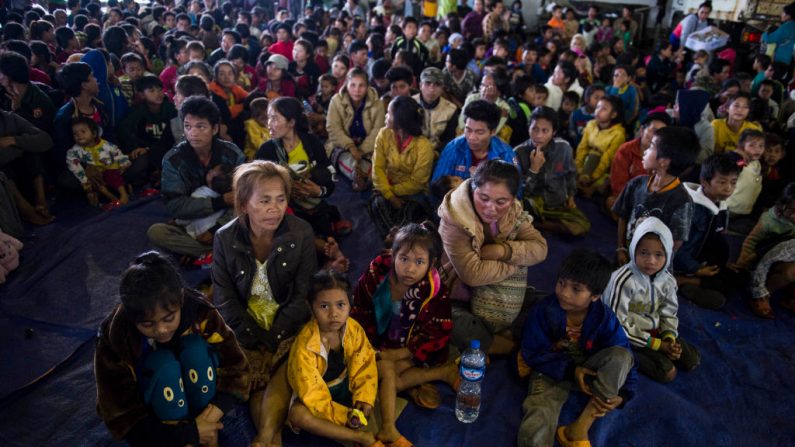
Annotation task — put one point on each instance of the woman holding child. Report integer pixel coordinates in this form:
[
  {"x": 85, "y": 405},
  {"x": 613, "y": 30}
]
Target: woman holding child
[
  {"x": 489, "y": 242},
  {"x": 262, "y": 262}
]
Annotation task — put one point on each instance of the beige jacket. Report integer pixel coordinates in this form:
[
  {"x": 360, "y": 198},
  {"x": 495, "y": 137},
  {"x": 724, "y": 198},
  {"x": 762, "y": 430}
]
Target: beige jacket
[
  {"x": 435, "y": 121},
  {"x": 340, "y": 117},
  {"x": 463, "y": 236}
]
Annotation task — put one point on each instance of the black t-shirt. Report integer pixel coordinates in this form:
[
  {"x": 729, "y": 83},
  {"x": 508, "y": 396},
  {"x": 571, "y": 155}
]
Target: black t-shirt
[{"x": 672, "y": 205}]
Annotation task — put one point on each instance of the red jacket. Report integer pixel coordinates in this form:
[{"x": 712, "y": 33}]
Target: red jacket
[
  {"x": 627, "y": 164},
  {"x": 425, "y": 313}
]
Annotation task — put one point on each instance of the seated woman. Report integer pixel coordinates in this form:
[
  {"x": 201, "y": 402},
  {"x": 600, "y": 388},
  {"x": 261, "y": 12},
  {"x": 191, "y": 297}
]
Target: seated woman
[
  {"x": 167, "y": 366},
  {"x": 292, "y": 146},
  {"x": 489, "y": 242},
  {"x": 262, "y": 262},
  {"x": 354, "y": 118},
  {"x": 225, "y": 86},
  {"x": 402, "y": 163}
]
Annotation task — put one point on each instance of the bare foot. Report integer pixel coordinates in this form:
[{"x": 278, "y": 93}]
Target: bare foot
[
  {"x": 123, "y": 197},
  {"x": 388, "y": 434},
  {"x": 43, "y": 211}
]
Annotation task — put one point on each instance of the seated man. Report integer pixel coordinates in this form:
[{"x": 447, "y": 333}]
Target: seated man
[{"x": 184, "y": 169}]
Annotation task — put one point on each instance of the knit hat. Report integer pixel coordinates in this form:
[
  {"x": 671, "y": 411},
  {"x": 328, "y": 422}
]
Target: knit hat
[{"x": 280, "y": 61}]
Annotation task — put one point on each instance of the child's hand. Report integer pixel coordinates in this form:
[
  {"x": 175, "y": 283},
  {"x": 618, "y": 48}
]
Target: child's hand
[
  {"x": 365, "y": 408},
  {"x": 579, "y": 374},
  {"x": 708, "y": 270},
  {"x": 396, "y": 202},
  {"x": 137, "y": 152},
  {"x": 570, "y": 203},
  {"x": 537, "y": 160},
  {"x": 603, "y": 407},
  {"x": 671, "y": 349}
]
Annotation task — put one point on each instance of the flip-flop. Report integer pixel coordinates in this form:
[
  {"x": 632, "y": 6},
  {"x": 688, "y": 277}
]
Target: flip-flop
[
  {"x": 399, "y": 442},
  {"x": 566, "y": 442},
  {"x": 426, "y": 396}
]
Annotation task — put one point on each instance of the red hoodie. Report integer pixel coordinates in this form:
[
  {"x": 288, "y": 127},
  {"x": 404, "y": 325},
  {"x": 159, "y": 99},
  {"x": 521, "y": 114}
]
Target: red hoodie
[{"x": 627, "y": 164}]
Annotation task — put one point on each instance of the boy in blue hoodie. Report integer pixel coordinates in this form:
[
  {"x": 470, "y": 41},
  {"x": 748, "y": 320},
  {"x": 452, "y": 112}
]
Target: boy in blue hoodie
[
  {"x": 642, "y": 293},
  {"x": 572, "y": 341},
  {"x": 700, "y": 264}
]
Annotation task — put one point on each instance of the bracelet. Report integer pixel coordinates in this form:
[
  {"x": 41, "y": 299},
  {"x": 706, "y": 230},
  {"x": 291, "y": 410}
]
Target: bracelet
[
  {"x": 508, "y": 252},
  {"x": 622, "y": 249}
]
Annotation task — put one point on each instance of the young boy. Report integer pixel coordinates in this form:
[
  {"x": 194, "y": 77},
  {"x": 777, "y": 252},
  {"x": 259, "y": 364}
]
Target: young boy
[
  {"x": 749, "y": 151},
  {"x": 133, "y": 66},
  {"x": 623, "y": 88},
  {"x": 773, "y": 173},
  {"x": 572, "y": 341},
  {"x": 700, "y": 264},
  {"x": 581, "y": 116},
  {"x": 642, "y": 293},
  {"x": 540, "y": 95},
  {"x": 661, "y": 194},
  {"x": 256, "y": 127},
  {"x": 143, "y": 133},
  {"x": 549, "y": 176}
]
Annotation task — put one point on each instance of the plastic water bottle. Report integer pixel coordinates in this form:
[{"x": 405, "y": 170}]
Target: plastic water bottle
[{"x": 472, "y": 370}]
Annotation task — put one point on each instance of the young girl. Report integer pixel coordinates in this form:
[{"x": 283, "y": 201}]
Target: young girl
[
  {"x": 91, "y": 150},
  {"x": 256, "y": 127},
  {"x": 177, "y": 57},
  {"x": 167, "y": 366},
  {"x": 402, "y": 163},
  {"x": 727, "y": 130},
  {"x": 404, "y": 309},
  {"x": 247, "y": 77},
  {"x": 339, "y": 69},
  {"x": 332, "y": 368},
  {"x": 749, "y": 150},
  {"x": 600, "y": 140},
  {"x": 769, "y": 253},
  {"x": 549, "y": 177},
  {"x": 580, "y": 117}
]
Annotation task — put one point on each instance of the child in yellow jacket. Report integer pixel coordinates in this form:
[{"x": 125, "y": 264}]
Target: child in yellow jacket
[
  {"x": 332, "y": 369},
  {"x": 601, "y": 139},
  {"x": 256, "y": 128}
]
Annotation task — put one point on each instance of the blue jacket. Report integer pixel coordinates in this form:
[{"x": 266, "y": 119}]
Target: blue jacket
[
  {"x": 456, "y": 158},
  {"x": 547, "y": 324},
  {"x": 784, "y": 38},
  {"x": 110, "y": 95}
]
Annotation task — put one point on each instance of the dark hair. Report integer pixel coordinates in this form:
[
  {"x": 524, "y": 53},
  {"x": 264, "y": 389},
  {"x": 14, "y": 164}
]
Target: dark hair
[
  {"x": 174, "y": 48},
  {"x": 356, "y": 46},
  {"x": 41, "y": 50},
  {"x": 787, "y": 196},
  {"x": 201, "y": 65},
  {"x": 459, "y": 58},
  {"x": 407, "y": 20},
  {"x": 72, "y": 76},
  {"x": 590, "y": 90},
  {"x": 327, "y": 280},
  {"x": 291, "y": 109},
  {"x": 115, "y": 40},
  {"x": 569, "y": 70},
  {"x": 520, "y": 85},
  {"x": 14, "y": 30},
  {"x": 222, "y": 183},
  {"x": 617, "y": 106},
  {"x": 764, "y": 60},
  {"x": 131, "y": 57},
  {"x": 723, "y": 164},
  {"x": 497, "y": 171},
  {"x": 501, "y": 80},
  {"x": 377, "y": 70},
  {"x": 200, "y": 107},
  {"x": 572, "y": 96},
  {"x": 400, "y": 73},
  {"x": 235, "y": 35},
  {"x": 627, "y": 69},
  {"x": 148, "y": 81},
  {"x": 679, "y": 145},
  {"x": 192, "y": 85},
  {"x": 772, "y": 139},
  {"x": 152, "y": 281},
  {"x": 422, "y": 234},
  {"x": 15, "y": 67},
  {"x": 482, "y": 110},
  {"x": 63, "y": 35},
  {"x": 716, "y": 65},
  {"x": 749, "y": 134},
  {"x": 657, "y": 116},
  {"x": 737, "y": 96},
  {"x": 545, "y": 113},
  {"x": 407, "y": 115},
  {"x": 587, "y": 267},
  {"x": 207, "y": 23},
  {"x": 38, "y": 28},
  {"x": 237, "y": 51},
  {"x": 90, "y": 123}
]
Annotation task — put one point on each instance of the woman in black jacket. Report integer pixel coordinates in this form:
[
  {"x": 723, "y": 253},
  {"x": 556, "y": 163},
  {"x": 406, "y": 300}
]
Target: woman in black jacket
[
  {"x": 262, "y": 262},
  {"x": 292, "y": 145}
]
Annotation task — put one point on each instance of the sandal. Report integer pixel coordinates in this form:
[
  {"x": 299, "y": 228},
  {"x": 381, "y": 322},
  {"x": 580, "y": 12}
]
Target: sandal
[
  {"x": 761, "y": 308},
  {"x": 426, "y": 396},
  {"x": 399, "y": 442},
  {"x": 566, "y": 442},
  {"x": 342, "y": 227}
]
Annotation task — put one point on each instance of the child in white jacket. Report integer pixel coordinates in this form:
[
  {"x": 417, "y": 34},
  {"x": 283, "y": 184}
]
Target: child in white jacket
[{"x": 642, "y": 293}]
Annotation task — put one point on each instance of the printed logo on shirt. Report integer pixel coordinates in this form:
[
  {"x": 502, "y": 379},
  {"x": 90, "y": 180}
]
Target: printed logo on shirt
[{"x": 461, "y": 168}]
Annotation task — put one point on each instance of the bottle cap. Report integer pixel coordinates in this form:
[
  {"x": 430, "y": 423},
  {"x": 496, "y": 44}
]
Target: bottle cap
[{"x": 474, "y": 344}]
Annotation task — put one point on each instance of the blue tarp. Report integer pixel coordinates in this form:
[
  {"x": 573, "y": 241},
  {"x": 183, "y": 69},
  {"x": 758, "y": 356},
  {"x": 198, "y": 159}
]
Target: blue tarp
[{"x": 51, "y": 307}]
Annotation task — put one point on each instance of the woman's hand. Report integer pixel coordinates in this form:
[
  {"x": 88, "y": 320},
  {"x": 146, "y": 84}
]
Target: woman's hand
[{"x": 492, "y": 252}]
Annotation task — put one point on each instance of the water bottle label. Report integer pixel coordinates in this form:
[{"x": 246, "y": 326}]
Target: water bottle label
[{"x": 471, "y": 374}]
